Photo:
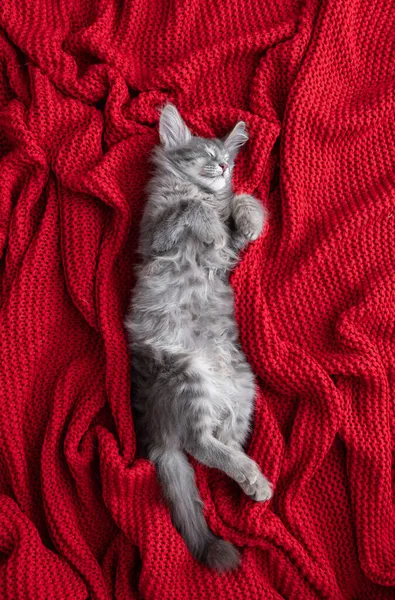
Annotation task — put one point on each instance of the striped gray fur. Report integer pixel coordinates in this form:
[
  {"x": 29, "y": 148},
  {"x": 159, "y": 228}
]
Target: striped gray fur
[{"x": 193, "y": 389}]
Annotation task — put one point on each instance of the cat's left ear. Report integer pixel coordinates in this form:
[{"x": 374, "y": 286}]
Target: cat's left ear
[
  {"x": 236, "y": 138},
  {"x": 172, "y": 129}
]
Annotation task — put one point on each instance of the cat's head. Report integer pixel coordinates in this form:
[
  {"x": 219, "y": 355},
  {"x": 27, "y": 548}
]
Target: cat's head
[{"x": 206, "y": 162}]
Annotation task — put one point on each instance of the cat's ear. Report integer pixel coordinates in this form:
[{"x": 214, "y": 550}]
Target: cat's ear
[
  {"x": 172, "y": 129},
  {"x": 236, "y": 138}
]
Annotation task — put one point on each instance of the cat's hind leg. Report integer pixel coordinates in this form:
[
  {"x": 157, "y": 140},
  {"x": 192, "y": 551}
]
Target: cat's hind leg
[
  {"x": 206, "y": 417},
  {"x": 235, "y": 463}
]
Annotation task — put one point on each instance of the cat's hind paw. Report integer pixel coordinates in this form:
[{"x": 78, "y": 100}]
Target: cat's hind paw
[
  {"x": 261, "y": 490},
  {"x": 257, "y": 486}
]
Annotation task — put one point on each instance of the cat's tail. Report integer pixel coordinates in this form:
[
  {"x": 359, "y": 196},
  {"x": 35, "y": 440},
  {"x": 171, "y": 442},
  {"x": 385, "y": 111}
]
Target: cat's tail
[{"x": 177, "y": 478}]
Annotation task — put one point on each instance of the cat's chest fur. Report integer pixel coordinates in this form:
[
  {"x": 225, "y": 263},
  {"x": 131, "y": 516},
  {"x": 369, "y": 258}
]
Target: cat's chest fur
[{"x": 184, "y": 295}]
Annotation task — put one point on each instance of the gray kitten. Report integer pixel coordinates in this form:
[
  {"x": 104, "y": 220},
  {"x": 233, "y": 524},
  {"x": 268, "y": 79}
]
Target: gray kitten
[{"x": 193, "y": 389}]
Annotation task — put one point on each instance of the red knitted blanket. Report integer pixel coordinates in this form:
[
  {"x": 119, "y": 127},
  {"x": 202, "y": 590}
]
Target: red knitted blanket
[{"x": 80, "y": 85}]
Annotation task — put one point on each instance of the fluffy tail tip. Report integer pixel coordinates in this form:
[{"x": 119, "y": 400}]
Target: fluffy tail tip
[{"x": 222, "y": 556}]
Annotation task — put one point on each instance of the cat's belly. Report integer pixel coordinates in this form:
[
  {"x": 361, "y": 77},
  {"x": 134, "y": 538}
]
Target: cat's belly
[
  {"x": 193, "y": 315},
  {"x": 212, "y": 328}
]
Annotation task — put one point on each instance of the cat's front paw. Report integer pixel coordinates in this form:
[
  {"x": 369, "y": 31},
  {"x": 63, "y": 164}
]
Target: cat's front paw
[
  {"x": 220, "y": 241},
  {"x": 249, "y": 216},
  {"x": 214, "y": 235}
]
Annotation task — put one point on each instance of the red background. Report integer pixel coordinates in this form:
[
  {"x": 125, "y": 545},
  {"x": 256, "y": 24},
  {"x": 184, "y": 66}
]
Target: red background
[{"x": 80, "y": 84}]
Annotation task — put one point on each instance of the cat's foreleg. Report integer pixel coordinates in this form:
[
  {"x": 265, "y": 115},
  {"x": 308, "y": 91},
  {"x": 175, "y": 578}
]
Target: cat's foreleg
[
  {"x": 172, "y": 225},
  {"x": 205, "y": 225},
  {"x": 249, "y": 217}
]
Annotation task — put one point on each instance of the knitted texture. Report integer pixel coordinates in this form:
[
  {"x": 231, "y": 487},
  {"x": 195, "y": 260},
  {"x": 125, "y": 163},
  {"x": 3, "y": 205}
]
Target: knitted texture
[{"x": 80, "y": 86}]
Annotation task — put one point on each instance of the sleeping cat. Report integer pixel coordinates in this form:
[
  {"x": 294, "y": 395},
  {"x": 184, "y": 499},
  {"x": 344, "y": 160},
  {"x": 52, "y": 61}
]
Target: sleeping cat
[{"x": 193, "y": 390}]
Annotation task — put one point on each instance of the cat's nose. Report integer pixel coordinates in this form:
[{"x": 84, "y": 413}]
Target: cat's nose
[{"x": 224, "y": 166}]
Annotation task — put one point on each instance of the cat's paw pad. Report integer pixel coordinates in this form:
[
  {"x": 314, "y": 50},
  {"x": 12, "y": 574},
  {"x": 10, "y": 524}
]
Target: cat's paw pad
[
  {"x": 251, "y": 226},
  {"x": 249, "y": 216}
]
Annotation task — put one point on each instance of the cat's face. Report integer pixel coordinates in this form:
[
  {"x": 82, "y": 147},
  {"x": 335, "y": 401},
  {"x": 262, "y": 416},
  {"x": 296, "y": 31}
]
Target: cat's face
[
  {"x": 205, "y": 161},
  {"x": 208, "y": 162}
]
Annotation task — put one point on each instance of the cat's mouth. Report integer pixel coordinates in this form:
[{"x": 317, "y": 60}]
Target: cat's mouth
[{"x": 211, "y": 175}]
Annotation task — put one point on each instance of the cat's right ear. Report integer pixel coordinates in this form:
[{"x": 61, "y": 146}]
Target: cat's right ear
[{"x": 172, "y": 129}]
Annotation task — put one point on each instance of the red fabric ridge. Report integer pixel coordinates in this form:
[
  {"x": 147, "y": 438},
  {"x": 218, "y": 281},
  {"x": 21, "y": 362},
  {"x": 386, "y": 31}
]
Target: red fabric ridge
[{"x": 80, "y": 86}]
